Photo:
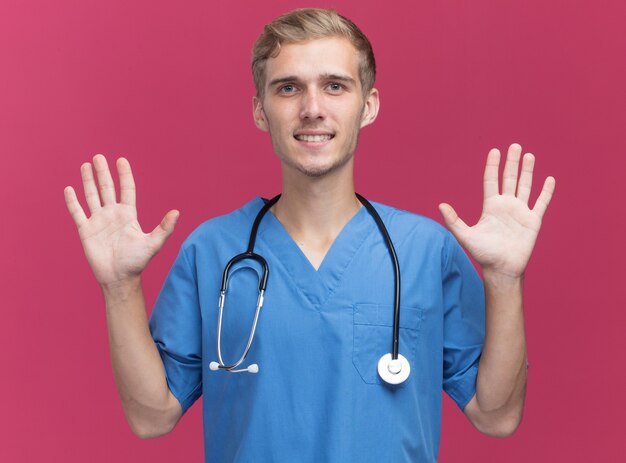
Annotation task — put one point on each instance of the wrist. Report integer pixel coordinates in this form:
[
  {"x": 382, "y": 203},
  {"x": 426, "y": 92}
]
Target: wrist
[
  {"x": 121, "y": 289},
  {"x": 502, "y": 281}
]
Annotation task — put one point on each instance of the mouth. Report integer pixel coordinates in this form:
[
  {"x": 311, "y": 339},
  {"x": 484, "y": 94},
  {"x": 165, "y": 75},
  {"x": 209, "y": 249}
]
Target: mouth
[{"x": 314, "y": 138}]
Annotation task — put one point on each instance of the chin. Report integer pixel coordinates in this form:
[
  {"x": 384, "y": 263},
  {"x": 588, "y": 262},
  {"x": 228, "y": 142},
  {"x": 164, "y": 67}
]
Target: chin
[
  {"x": 317, "y": 171},
  {"x": 315, "y": 166}
]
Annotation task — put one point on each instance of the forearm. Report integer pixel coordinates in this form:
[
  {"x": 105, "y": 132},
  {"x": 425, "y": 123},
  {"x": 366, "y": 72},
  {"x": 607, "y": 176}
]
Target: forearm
[
  {"x": 150, "y": 407},
  {"x": 501, "y": 382}
]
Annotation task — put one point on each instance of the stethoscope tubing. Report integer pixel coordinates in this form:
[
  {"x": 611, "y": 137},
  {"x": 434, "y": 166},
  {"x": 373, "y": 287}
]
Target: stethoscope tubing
[
  {"x": 396, "y": 273},
  {"x": 249, "y": 254}
]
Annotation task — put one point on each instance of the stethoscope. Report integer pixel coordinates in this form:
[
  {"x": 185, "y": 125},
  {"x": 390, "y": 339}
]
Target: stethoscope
[{"x": 393, "y": 368}]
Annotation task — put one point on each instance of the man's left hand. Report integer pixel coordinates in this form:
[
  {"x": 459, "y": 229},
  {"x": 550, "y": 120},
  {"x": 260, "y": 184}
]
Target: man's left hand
[{"x": 503, "y": 238}]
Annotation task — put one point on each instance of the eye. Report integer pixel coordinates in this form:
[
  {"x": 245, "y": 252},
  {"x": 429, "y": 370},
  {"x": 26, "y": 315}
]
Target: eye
[
  {"x": 335, "y": 87},
  {"x": 289, "y": 88}
]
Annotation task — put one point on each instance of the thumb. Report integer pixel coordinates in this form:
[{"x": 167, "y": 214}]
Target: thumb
[
  {"x": 163, "y": 230},
  {"x": 452, "y": 220}
]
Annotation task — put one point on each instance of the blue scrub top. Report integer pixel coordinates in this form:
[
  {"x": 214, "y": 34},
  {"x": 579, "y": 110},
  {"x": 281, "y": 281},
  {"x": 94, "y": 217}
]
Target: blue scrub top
[{"x": 317, "y": 396}]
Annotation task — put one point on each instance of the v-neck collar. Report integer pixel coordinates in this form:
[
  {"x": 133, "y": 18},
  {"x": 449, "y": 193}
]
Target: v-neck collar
[{"x": 317, "y": 285}]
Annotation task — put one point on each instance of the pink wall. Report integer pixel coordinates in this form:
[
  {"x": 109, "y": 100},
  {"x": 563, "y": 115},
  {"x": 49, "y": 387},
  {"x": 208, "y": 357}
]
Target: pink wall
[{"x": 169, "y": 87}]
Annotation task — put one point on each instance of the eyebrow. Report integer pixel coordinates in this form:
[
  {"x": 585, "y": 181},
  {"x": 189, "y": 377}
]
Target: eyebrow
[{"x": 337, "y": 77}]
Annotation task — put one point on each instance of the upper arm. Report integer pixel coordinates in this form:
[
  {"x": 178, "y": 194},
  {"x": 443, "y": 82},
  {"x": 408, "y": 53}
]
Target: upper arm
[
  {"x": 174, "y": 412},
  {"x": 463, "y": 324},
  {"x": 176, "y": 327},
  {"x": 472, "y": 412}
]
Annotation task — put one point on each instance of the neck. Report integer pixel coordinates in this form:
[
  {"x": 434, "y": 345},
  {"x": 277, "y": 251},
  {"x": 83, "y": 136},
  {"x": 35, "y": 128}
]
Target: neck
[
  {"x": 317, "y": 203},
  {"x": 315, "y": 210}
]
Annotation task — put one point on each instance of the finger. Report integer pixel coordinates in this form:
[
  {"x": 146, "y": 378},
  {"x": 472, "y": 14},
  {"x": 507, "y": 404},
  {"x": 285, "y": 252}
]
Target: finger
[
  {"x": 89, "y": 186},
  {"x": 454, "y": 223},
  {"x": 163, "y": 231},
  {"x": 490, "y": 178},
  {"x": 545, "y": 196},
  {"x": 509, "y": 176},
  {"x": 127, "y": 182},
  {"x": 526, "y": 177},
  {"x": 74, "y": 207},
  {"x": 105, "y": 181}
]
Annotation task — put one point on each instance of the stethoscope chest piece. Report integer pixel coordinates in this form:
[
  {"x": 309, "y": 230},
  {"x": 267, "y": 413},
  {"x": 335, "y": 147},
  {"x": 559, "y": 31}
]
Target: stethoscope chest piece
[{"x": 394, "y": 371}]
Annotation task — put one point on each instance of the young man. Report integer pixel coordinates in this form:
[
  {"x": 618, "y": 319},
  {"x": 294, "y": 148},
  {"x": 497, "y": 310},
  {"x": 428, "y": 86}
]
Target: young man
[{"x": 328, "y": 311}]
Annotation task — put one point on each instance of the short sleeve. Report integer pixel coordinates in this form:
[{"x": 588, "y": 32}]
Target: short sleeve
[
  {"x": 175, "y": 325},
  {"x": 464, "y": 324}
]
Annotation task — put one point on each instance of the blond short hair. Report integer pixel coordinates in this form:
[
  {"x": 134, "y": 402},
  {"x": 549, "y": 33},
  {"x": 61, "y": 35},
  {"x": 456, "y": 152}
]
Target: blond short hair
[{"x": 307, "y": 24}]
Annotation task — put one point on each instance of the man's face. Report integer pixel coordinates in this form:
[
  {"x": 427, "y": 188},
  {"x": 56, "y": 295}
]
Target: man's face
[{"x": 313, "y": 105}]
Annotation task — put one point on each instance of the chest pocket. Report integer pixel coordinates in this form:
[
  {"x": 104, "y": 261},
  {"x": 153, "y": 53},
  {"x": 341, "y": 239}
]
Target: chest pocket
[{"x": 373, "y": 328}]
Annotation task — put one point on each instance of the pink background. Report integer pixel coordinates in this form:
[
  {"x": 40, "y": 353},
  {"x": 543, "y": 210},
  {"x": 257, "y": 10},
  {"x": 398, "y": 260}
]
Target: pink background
[{"x": 169, "y": 87}]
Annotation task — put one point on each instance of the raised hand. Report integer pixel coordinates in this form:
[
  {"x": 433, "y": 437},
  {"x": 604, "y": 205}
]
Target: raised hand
[
  {"x": 115, "y": 245},
  {"x": 504, "y": 237}
]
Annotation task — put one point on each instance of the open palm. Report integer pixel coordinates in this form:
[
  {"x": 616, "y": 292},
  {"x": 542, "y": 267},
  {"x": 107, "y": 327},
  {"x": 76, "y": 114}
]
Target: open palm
[
  {"x": 503, "y": 238},
  {"x": 114, "y": 243}
]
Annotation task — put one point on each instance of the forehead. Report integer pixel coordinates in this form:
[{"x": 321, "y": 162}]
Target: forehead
[{"x": 314, "y": 58}]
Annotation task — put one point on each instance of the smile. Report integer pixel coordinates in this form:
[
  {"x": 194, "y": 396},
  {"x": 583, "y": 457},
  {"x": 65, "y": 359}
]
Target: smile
[{"x": 313, "y": 138}]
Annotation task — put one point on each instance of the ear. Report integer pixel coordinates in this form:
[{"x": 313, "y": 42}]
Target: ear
[
  {"x": 259, "y": 114},
  {"x": 370, "y": 110}
]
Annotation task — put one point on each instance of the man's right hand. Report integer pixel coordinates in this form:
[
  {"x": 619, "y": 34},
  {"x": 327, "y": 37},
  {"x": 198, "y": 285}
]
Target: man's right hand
[{"x": 115, "y": 246}]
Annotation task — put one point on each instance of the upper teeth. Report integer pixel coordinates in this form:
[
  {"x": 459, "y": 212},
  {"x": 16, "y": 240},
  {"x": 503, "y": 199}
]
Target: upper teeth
[{"x": 313, "y": 138}]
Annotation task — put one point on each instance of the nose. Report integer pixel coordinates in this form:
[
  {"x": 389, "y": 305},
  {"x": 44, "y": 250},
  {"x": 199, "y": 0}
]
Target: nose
[{"x": 312, "y": 105}]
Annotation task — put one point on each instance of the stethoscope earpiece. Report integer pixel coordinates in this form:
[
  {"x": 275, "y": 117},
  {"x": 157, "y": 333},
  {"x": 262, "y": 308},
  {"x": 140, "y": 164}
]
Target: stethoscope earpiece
[{"x": 254, "y": 368}]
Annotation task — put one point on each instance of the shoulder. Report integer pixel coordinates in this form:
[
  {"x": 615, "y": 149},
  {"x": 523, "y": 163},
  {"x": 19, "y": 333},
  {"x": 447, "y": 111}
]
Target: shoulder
[
  {"x": 233, "y": 225},
  {"x": 404, "y": 224},
  {"x": 411, "y": 231}
]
